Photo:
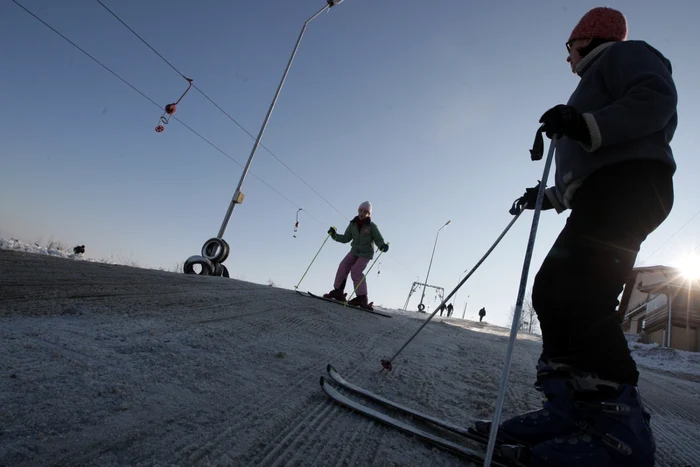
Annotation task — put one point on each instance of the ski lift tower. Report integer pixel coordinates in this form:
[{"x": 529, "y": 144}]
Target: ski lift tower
[{"x": 421, "y": 307}]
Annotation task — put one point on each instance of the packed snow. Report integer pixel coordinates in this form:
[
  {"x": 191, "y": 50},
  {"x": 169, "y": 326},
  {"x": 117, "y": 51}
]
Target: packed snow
[
  {"x": 665, "y": 358},
  {"x": 51, "y": 249},
  {"x": 114, "y": 365}
]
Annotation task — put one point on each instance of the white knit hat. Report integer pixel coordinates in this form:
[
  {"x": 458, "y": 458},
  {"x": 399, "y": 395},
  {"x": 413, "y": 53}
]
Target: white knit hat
[{"x": 367, "y": 206}]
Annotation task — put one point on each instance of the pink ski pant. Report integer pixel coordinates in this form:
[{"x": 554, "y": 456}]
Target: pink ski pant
[{"x": 354, "y": 266}]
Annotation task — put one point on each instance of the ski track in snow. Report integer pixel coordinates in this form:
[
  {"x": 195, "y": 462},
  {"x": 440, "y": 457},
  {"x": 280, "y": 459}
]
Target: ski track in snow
[{"x": 112, "y": 365}]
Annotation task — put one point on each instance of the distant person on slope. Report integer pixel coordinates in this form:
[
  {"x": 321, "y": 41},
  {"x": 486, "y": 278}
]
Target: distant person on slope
[
  {"x": 364, "y": 234},
  {"x": 614, "y": 171},
  {"x": 482, "y": 313}
]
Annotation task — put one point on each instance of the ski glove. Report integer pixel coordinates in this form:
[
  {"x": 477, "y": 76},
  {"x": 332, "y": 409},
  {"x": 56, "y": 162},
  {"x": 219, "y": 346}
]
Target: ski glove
[
  {"x": 529, "y": 199},
  {"x": 384, "y": 248},
  {"x": 332, "y": 233},
  {"x": 564, "y": 120}
]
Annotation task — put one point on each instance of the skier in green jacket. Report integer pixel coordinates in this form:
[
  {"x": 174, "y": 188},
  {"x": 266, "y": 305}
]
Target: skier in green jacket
[{"x": 364, "y": 234}]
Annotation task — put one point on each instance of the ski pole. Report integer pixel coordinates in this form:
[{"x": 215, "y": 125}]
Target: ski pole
[
  {"x": 387, "y": 363},
  {"x": 296, "y": 287},
  {"x": 363, "y": 277},
  {"x": 518, "y": 308}
]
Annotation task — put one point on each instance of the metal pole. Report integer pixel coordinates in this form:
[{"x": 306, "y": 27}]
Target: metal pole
[
  {"x": 236, "y": 194},
  {"x": 668, "y": 325},
  {"x": 687, "y": 317},
  {"x": 296, "y": 287},
  {"x": 409, "y": 295},
  {"x": 518, "y": 308},
  {"x": 363, "y": 277},
  {"x": 454, "y": 299},
  {"x": 425, "y": 285},
  {"x": 449, "y": 296},
  {"x": 465, "y": 306}
]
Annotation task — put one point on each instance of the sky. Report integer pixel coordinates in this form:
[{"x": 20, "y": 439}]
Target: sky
[{"x": 427, "y": 110}]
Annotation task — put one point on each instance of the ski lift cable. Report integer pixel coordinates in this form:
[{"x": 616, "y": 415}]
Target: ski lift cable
[
  {"x": 218, "y": 107},
  {"x": 134, "y": 88}
]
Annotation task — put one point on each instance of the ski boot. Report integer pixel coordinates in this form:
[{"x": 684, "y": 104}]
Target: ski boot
[
  {"x": 555, "y": 418},
  {"x": 336, "y": 294},
  {"x": 614, "y": 429},
  {"x": 361, "y": 301}
]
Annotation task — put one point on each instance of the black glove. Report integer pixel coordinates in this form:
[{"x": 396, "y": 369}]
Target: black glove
[
  {"x": 529, "y": 199},
  {"x": 384, "y": 248},
  {"x": 564, "y": 120},
  {"x": 332, "y": 232}
]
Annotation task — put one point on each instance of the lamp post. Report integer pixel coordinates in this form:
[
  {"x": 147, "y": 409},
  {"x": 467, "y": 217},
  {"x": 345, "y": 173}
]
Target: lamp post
[
  {"x": 465, "y": 306},
  {"x": 421, "y": 307},
  {"x": 215, "y": 251},
  {"x": 454, "y": 299}
]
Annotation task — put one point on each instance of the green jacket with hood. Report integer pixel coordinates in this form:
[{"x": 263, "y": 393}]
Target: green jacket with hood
[{"x": 363, "y": 238}]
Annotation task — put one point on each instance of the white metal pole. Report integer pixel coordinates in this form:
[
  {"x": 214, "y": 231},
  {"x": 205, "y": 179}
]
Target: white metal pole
[
  {"x": 236, "y": 194},
  {"x": 518, "y": 308},
  {"x": 669, "y": 324},
  {"x": 431, "y": 261}
]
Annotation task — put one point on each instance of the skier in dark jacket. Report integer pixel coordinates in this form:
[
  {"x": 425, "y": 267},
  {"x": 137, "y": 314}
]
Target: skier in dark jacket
[
  {"x": 364, "y": 234},
  {"x": 482, "y": 313},
  {"x": 614, "y": 171}
]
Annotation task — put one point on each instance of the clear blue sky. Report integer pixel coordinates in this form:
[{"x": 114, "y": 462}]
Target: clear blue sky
[{"x": 427, "y": 109}]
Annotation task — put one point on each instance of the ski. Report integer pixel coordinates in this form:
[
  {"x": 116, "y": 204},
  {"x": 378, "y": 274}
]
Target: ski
[
  {"x": 513, "y": 452},
  {"x": 335, "y": 376},
  {"x": 469, "y": 454},
  {"x": 375, "y": 312}
]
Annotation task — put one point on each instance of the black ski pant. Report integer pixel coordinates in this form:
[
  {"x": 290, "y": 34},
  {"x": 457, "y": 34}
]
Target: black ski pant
[{"x": 576, "y": 289}]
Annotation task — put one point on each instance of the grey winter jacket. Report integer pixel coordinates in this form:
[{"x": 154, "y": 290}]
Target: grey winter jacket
[{"x": 628, "y": 100}]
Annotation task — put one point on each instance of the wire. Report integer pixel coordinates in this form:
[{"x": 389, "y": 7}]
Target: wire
[
  {"x": 189, "y": 127},
  {"x": 141, "y": 38},
  {"x": 157, "y": 105},
  {"x": 218, "y": 106},
  {"x": 235, "y": 121},
  {"x": 412, "y": 273},
  {"x": 669, "y": 238}
]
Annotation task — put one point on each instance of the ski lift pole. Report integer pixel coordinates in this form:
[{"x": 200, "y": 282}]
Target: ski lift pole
[
  {"x": 238, "y": 194},
  {"x": 363, "y": 277},
  {"x": 495, "y": 422},
  {"x": 296, "y": 287},
  {"x": 386, "y": 364}
]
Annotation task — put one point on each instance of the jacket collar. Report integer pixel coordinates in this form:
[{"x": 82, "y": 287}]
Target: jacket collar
[
  {"x": 590, "y": 58},
  {"x": 367, "y": 220}
]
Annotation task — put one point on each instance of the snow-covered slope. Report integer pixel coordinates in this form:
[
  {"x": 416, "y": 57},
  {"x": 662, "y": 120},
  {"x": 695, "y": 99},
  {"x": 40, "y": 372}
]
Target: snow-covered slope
[
  {"x": 113, "y": 365},
  {"x": 51, "y": 250}
]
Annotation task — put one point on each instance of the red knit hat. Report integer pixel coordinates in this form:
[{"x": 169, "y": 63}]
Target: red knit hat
[{"x": 601, "y": 23}]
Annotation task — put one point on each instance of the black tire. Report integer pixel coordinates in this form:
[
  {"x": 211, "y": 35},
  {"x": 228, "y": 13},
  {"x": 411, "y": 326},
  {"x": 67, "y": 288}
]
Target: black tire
[
  {"x": 220, "y": 270},
  {"x": 216, "y": 250},
  {"x": 421, "y": 307},
  {"x": 192, "y": 261}
]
